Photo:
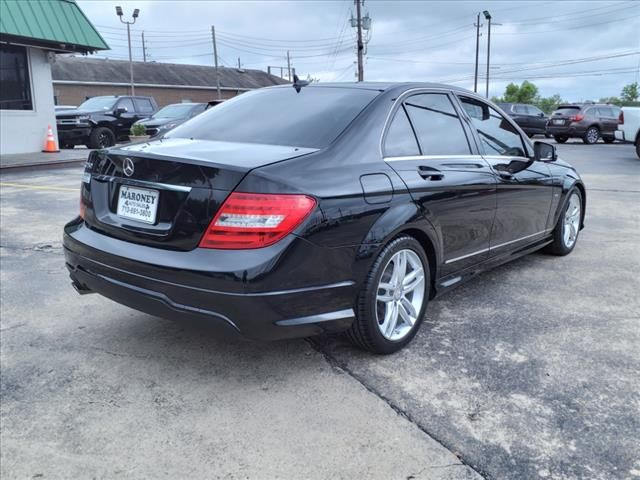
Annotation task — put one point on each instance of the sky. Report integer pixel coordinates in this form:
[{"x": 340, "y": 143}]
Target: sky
[{"x": 581, "y": 50}]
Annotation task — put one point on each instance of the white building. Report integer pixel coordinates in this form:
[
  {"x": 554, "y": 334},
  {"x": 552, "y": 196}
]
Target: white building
[{"x": 27, "y": 48}]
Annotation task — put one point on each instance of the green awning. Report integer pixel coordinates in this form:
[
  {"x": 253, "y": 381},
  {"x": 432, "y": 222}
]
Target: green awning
[{"x": 56, "y": 24}]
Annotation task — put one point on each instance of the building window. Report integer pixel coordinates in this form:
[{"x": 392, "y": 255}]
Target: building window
[{"x": 15, "y": 93}]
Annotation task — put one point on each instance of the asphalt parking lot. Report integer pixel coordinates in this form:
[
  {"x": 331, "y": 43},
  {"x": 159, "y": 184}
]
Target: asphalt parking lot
[{"x": 529, "y": 371}]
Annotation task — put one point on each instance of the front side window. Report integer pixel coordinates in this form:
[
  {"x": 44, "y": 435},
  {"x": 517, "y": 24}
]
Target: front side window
[
  {"x": 497, "y": 134},
  {"x": 400, "y": 140},
  {"x": 311, "y": 117},
  {"x": 521, "y": 109},
  {"x": 15, "y": 93},
  {"x": 128, "y": 104},
  {"x": 437, "y": 125},
  {"x": 534, "y": 110}
]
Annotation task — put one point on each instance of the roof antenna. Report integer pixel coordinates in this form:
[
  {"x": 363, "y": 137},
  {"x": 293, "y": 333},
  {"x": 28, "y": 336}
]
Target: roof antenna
[{"x": 298, "y": 84}]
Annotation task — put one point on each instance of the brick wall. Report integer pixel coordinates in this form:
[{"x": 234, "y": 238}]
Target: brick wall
[{"x": 76, "y": 94}]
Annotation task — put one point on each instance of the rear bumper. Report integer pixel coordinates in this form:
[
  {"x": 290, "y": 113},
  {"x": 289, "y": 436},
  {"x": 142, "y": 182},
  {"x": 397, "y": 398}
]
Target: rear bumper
[
  {"x": 619, "y": 135},
  {"x": 176, "y": 286},
  {"x": 568, "y": 130}
]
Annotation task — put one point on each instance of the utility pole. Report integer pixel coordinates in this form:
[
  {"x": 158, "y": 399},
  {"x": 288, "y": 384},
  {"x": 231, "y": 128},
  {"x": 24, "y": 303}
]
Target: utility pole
[
  {"x": 475, "y": 78},
  {"x": 487, "y": 15},
  {"x": 136, "y": 13},
  {"x": 360, "y": 44},
  {"x": 215, "y": 61},
  {"x": 288, "y": 66},
  {"x": 239, "y": 67},
  {"x": 144, "y": 49}
]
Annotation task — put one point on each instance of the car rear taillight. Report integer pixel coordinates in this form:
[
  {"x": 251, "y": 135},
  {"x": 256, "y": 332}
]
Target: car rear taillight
[
  {"x": 256, "y": 220},
  {"x": 576, "y": 118},
  {"x": 621, "y": 118}
]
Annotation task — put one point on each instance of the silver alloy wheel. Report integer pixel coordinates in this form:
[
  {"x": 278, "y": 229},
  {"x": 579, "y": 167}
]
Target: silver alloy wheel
[
  {"x": 571, "y": 224},
  {"x": 400, "y": 295},
  {"x": 593, "y": 135}
]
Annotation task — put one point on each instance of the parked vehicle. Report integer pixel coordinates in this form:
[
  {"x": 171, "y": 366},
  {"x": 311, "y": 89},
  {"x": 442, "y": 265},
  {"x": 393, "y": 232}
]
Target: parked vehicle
[
  {"x": 170, "y": 116},
  {"x": 587, "y": 121},
  {"x": 629, "y": 127},
  {"x": 101, "y": 121},
  {"x": 529, "y": 118},
  {"x": 288, "y": 212}
]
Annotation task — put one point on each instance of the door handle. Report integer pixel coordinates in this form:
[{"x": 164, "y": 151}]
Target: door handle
[{"x": 430, "y": 173}]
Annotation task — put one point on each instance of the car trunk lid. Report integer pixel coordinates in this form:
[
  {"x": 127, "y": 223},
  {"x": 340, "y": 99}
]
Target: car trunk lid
[{"x": 165, "y": 193}]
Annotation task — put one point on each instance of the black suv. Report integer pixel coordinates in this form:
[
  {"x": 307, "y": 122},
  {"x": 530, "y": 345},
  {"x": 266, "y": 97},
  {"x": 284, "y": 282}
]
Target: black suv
[
  {"x": 101, "y": 121},
  {"x": 588, "y": 121},
  {"x": 529, "y": 118}
]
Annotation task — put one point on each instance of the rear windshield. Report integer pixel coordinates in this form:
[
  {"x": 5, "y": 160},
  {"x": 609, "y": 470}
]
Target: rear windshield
[
  {"x": 567, "y": 110},
  {"x": 312, "y": 118}
]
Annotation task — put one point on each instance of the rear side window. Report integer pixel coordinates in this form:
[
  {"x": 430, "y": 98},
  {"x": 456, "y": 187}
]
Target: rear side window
[
  {"x": 566, "y": 111},
  {"x": 497, "y": 134},
  {"x": 400, "y": 140},
  {"x": 312, "y": 117},
  {"x": 437, "y": 125},
  {"x": 521, "y": 109},
  {"x": 143, "y": 105}
]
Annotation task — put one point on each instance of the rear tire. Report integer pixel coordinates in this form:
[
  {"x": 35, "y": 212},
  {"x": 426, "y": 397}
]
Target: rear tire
[
  {"x": 565, "y": 234},
  {"x": 387, "y": 291},
  {"x": 591, "y": 136},
  {"x": 102, "y": 137},
  {"x": 638, "y": 147},
  {"x": 560, "y": 138}
]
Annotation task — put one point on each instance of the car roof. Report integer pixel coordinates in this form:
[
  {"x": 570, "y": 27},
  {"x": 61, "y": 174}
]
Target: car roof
[{"x": 380, "y": 86}]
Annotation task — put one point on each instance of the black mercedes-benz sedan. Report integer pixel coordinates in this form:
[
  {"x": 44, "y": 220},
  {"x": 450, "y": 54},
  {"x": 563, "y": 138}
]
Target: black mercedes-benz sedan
[{"x": 295, "y": 210}]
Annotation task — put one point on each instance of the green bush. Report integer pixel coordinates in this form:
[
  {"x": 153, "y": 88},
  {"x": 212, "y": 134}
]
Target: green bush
[{"x": 138, "y": 130}]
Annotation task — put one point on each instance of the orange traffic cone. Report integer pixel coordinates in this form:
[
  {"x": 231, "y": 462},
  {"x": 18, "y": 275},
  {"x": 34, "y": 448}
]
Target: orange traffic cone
[{"x": 50, "y": 145}]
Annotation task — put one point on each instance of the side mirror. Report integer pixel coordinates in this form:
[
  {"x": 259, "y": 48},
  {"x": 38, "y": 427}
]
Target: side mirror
[
  {"x": 541, "y": 114},
  {"x": 544, "y": 152},
  {"x": 120, "y": 110}
]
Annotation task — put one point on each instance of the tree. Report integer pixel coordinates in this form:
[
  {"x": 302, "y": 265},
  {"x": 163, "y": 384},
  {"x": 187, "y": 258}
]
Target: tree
[
  {"x": 630, "y": 93},
  {"x": 525, "y": 93},
  {"x": 612, "y": 100},
  {"x": 548, "y": 104}
]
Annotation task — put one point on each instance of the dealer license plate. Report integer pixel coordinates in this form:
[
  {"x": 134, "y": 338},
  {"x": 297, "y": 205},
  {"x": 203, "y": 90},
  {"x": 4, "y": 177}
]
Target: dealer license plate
[{"x": 139, "y": 204}]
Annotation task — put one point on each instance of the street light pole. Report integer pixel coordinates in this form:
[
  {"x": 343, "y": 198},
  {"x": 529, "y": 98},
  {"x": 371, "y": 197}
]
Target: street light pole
[
  {"x": 136, "y": 13},
  {"x": 487, "y": 15},
  {"x": 475, "y": 77}
]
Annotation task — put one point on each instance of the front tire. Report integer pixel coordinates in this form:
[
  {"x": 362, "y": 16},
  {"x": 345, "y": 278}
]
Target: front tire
[
  {"x": 102, "y": 137},
  {"x": 560, "y": 138},
  {"x": 565, "y": 234},
  {"x": 591, "y": 136},
  {"x": 392, "y": 302}
]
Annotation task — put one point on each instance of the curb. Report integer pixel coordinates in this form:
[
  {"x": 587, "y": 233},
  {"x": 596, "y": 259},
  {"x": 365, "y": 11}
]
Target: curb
[{"x": 41, "y": 165}]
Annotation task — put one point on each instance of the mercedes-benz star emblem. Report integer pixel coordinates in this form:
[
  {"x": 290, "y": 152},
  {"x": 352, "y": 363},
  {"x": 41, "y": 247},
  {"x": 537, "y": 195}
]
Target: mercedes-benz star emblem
[{"x": 127, "y": 167}]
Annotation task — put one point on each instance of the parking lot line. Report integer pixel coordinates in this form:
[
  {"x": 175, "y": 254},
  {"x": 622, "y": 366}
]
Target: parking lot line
[{"x": 37, "y": 187}]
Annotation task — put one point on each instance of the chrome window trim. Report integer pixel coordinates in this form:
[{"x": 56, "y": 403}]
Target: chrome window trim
[
  {"x": 143, "y": 183},
  {"x": 432, "y": 157},
  {"x": 401, "y": 98}
]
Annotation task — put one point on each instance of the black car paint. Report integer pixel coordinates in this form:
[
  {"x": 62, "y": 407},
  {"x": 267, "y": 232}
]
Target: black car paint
[
  {"x": 308, "y": 282},
  {"x": 78, "y": 132}
]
